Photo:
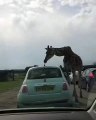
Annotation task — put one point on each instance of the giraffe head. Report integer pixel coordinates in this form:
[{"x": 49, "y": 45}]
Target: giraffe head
[{"x": 49, "y": 53}]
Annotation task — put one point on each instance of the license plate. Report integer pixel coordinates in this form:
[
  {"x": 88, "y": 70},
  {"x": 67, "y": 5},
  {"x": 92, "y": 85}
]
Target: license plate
[{"x": 44, "y": 88}]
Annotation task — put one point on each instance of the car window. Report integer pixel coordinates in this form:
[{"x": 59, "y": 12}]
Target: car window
[
  {"x": 44, "y": 73},
  {"x": 86, "y": 72}
]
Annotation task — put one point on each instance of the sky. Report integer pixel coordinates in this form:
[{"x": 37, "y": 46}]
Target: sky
[{"x": 28, "y": 26}]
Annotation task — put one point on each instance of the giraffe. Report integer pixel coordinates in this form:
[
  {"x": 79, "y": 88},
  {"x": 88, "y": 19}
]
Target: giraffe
[{"x": 71, "y": 61}]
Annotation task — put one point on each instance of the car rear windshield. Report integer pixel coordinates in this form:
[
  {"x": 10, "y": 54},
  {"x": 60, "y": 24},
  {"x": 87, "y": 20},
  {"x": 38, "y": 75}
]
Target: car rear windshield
[{"x": 44, "y": 73}]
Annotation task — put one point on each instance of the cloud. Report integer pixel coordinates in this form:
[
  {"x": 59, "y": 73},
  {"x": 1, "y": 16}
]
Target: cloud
[{"x": 28, "y": 26}]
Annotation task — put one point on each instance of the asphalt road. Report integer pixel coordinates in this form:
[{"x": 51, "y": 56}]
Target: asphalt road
[{"x": 88, "y": 97}]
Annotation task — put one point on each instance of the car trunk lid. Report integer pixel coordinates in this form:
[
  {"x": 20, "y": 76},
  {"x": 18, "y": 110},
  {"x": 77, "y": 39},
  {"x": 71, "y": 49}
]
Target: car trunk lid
[{"x": 42, "y": 86}]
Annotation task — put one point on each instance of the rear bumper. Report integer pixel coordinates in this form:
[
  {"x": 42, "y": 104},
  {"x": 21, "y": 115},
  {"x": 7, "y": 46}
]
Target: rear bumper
[
  {"x": 62, "y": 103},
  {"x": 43, "y": 99}
]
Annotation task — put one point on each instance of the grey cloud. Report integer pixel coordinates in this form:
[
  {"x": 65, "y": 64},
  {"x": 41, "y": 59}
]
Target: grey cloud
[{"x": 27, "y": 33}]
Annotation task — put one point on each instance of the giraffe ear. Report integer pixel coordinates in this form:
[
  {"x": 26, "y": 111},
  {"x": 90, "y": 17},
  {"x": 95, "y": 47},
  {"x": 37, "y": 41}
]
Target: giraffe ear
[{"x": 47, "y": 47}]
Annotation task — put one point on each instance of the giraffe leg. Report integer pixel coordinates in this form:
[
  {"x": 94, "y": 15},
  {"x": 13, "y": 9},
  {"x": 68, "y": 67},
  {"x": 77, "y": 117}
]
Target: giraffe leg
[
  {"x": 74, "y": 90},
  {"x": 80, "y": 82},
  {"x": 68, "y": 78}
]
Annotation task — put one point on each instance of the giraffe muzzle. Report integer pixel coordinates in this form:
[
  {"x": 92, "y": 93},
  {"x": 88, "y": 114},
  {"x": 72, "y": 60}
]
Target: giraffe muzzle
[{"x": 45, "y": 61}]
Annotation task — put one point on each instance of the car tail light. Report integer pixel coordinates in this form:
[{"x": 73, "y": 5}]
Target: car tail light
[
  {"x": 91, "y": 75},
  {"x": 65, "y": 87},
  {"x": 25, "y": 89}
]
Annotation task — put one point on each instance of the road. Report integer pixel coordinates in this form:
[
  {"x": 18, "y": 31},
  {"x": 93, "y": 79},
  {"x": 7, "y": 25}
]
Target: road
[{"x": 9, "y": 99}]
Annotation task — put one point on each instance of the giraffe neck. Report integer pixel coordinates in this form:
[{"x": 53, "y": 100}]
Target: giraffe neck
[{"x": 58, "y": 52}]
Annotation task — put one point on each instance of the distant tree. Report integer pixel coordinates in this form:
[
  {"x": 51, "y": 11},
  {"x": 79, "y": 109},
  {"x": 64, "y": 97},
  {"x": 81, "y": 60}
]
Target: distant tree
[{"x": 94, "y": 63}]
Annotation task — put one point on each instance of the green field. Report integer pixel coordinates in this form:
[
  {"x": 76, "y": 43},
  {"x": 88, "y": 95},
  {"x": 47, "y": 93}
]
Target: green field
[{"x": 9, "y": 85}]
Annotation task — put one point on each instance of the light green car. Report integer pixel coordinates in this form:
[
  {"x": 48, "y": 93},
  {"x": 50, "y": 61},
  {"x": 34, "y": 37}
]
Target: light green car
[{"x": 44, "y": 86}]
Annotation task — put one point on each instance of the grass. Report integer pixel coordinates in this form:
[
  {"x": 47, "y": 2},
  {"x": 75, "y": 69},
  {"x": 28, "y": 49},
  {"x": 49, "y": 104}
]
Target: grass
[{"x": 9, "y": 85}]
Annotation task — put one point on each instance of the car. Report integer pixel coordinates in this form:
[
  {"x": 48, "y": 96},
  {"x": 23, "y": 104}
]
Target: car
[
  {"x": 45, "y": 85},
  {"x": 89, "y": 78}
]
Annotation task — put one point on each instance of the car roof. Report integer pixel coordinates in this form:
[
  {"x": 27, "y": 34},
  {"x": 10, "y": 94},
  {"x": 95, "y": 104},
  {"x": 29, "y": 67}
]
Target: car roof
[
  {"x": 90, "y": 69},
  {"x": 44, "y": 67}
]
